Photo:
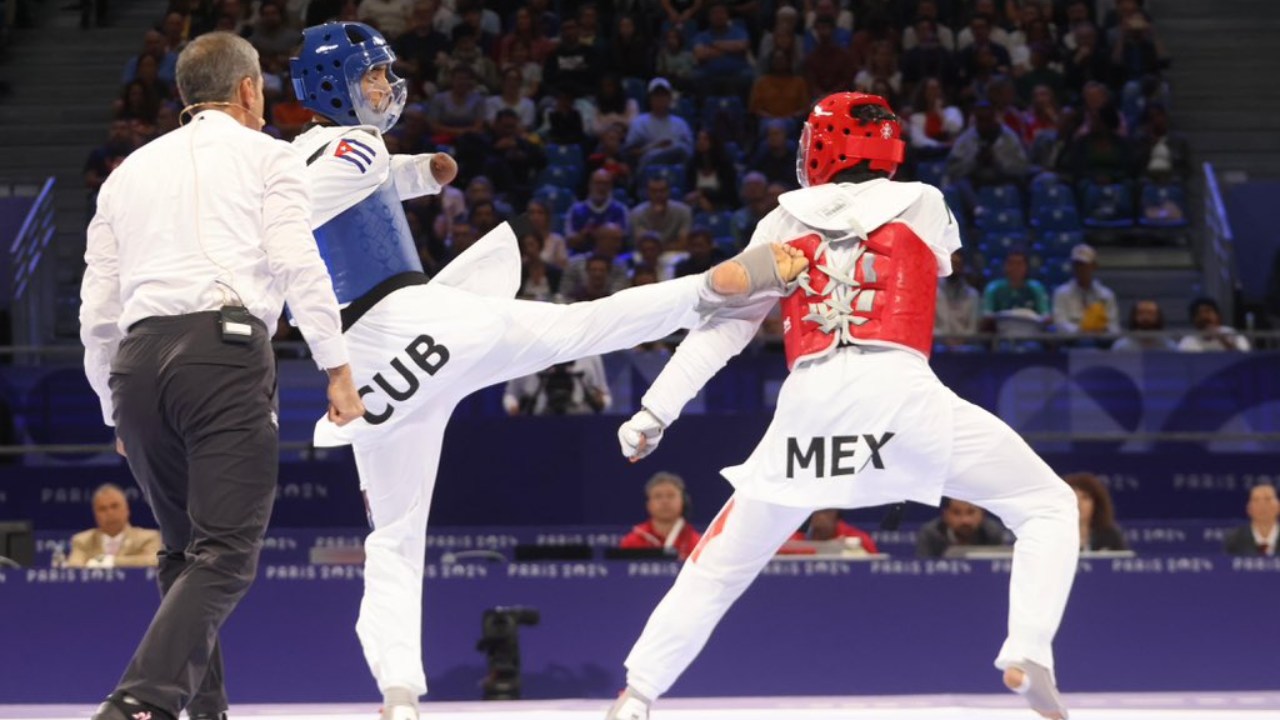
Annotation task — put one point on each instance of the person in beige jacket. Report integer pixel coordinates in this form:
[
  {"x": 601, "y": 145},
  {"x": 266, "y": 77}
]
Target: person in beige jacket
[{"x": 114, "y": 542}]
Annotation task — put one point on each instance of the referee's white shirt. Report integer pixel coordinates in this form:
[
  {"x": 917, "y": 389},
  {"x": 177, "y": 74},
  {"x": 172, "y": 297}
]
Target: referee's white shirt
[{"x": 189, "y": 221}]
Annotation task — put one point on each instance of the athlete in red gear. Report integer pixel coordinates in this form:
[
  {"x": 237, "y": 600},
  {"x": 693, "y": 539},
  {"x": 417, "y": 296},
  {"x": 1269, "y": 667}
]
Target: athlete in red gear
[{"x": 861, "y": 420}]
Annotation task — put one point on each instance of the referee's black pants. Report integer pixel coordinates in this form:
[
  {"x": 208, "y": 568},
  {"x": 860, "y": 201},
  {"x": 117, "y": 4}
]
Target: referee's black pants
[{"x": 197, "y": 419}]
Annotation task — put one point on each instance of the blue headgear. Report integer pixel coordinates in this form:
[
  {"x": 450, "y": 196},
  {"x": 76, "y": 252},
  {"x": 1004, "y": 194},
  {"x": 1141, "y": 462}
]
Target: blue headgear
[{"x": 326, "y": 74}]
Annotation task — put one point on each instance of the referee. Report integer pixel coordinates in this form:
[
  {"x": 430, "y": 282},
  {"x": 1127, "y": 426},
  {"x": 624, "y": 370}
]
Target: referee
[{"x": 199, "y": 238}]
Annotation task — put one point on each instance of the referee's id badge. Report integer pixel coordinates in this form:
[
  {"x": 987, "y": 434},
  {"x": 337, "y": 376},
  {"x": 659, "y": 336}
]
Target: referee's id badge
[{"x": 237, "y": 324}]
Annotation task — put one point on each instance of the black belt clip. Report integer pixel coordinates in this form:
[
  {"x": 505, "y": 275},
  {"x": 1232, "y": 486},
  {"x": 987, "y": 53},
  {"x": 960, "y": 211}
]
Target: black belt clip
[{"x": 236, "y": 323}]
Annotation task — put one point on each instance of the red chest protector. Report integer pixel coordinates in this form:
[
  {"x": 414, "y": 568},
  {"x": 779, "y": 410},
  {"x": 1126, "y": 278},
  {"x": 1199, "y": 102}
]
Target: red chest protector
[{"x": 887, "y": 294}]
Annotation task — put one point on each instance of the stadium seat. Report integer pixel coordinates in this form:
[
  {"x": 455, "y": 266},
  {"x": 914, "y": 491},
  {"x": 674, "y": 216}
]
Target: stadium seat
[
  {"x": 1051, "y": 193},
  {"x": 1107, "y": 206},
  {"x": 1055, "y": 219},
  {"x": 566, "y": 156},
  {"x": 564, "y": 176},
  {"x": 558, "y": 199},
  {"x": 719, "y": 223},
  {"x": 998, "y": 219},
  {"x": 1163, "y": 206},
  {"x": 1000, "y": 197},
  {"x": 931, "y": 173}
]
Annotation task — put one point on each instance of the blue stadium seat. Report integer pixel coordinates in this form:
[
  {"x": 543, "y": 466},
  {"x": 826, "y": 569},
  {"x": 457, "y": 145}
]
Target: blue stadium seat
[
  {"x": 687, "y": 110},
  {"x": 1055, "y": 270},
  {"x": 673, "y": 173},
  {"x": 1051, "y": 193},
  {"x": 1163, "y": 206},
  {"x": 955, "y": 201},
  {"x": 622, "y": 195},
  {"x": 1107, "y": 206},
  {"x": 996, "y": 243},
  {"x": 736, "y": 154},
  {"x": 1055, "y": 219},
  {"x": 1060, "y": 242},
  {"x": 566, "y": 156},
  {"x": 719, "y": 223},
  {"x": 931, "y": 173},
  {"x": 730, "y": 105},
  {"x": 567, "y": 177},
  {"x": 1000, "y": 197},
  {"x": 998, "y": 219},
  {"x": 636, "y": 89},
  {"x": 557, "y": 199}
]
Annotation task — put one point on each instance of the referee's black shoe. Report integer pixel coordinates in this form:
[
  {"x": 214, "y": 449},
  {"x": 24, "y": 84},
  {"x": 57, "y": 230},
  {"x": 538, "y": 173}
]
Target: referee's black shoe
[
  {"x": 209, "y": 716},
  {"x": 125, "y": 707}
]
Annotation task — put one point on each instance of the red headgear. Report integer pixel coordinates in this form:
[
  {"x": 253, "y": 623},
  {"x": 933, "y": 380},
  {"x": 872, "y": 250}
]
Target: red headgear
[{"x": 842, "y": 131}]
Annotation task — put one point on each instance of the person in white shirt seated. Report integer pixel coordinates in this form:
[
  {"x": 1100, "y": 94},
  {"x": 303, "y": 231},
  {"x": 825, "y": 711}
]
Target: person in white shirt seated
[
  {"x": 958, "y": 309},
  {"x": 1211, "y": 335},
  {"x": 1083, "y": 304},
  {"x": 113, "y": 542}
]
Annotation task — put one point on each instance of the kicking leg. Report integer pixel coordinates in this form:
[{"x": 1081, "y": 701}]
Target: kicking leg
[
  {"x": 994, "y": 468},
  {"x": 397, "y": 473},
  {"x": 741, "y": 540}
]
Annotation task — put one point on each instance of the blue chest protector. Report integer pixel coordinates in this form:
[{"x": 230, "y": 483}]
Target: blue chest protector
[{"x": 367, "y": 243}]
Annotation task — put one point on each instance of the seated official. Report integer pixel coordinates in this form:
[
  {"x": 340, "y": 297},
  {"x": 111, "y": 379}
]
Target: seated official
[
  {"x": 667, "y": 503},
  {"x": 961, "y": 524},
  {"x": 1098, "y": 529},
  {"x": 114, "y": 542},
  {"x": 1262, "y": 534},
  {"x": 826, "y": 525}
]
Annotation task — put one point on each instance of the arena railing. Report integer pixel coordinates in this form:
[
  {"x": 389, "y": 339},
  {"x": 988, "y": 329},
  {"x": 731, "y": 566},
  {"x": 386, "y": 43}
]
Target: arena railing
[{"x": 1217, "y": 251}]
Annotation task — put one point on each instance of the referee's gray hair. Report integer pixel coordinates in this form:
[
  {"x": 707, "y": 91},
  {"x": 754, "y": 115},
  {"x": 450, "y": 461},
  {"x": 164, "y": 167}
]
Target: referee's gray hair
[
  {"x": 108, "y": 487},
  {"x": 212, "y": 66},
  {"x": 665, "y": 478}
]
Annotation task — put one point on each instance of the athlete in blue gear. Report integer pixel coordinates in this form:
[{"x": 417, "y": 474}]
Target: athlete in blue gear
[{"x": 417, "y": 347}]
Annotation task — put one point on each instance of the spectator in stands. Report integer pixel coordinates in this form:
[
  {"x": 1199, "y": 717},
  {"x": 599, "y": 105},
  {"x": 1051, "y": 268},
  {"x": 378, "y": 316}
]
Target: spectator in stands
[
  {"x": 1103, "y": 155},
  {"x": 1004, "y": 98},
  {"x": 1042, "y": 116},
  {"x": 755, "y": 205},
  {"x": 525, "y": 30},
  {"x": 784, "y": 36},
  {"x": 1083, "y": 304},
  {"x": 175, "y": 30},
  {"x": 573, "y": 65},
  {"x": 703, "y": 253},
  {"x": 460, "y": 111},
  {"x": 1016, "y": 292},
  {"x": 609, "y": 156},
  {"x": 1211, "y": 335},
  {"x": 927, "y": 11},
  {"x": 480, "y": 189},
  {"x": 1086, "y": 61},
  {"x": 1163, "y": 156},
  {"x": 1052, "y": 150},
  {"x": 555, "y": 251},
  {"x": 539, "y": 280},
  {"x": 484, "y": 23},
  {"x": 1145, "y": 317},
  {"x": 421, "y": 50},
  {"x": 273, "y": 36},
  {"x": 882, "y": 66},
  {"x": 829, "y": 67},
  {"x": 658, "y": 137},
  {"x": 1136, "y": 49},
  {"x": 1098, "y": 529},
  {"x": 988, "y": 153},
  {"x": 991, "y": 30},
  {"x": 467, "y": 52},
  {"x": 563, "y": 123},
  {"x": 675, "y": 61},
  {"x": 483, "y": 217},
  {"x": 961, "y": 524},
  {"x": 958, "y": 305},
  {"x": 512, "y": 98},
  {"x": 513, "y": 162},
  {"x": 934, "y": 124},
  {"x": 775, "y": 157},
  {"x": 613, "y": 107},
  {"x": 667, "y": 502},
  {"x": 826, "y": 525},
  {"x": 462, "y": 235},
  {"x": 711, "y": 176},
  {"x": 600, "y": 208},
  {"x": 820, "y": 11},
  {"x": 780, "y": 93},
  {"x": 138, "y": 105},
  {"x": 670, "y": 219},
  {"x": 928, "y": 57},
  {"x": 589, "y": 33},
  {"x": 573, "y": 388},
  {"x": 629, "y": 54},
  {"x": 720, "y": 52},
  {"x": 167, "y": 117},
  {"x": 113, "y": 542},
  {"x": 390, "y": 17},
  {"x": 1262, "y": 535},
  {"x": 984, "y": 42},
  {"x": 1041, "y": 73},
  {"x": 604, "y": 242},
  {"x": 107, "y": 157},
  {"x": 152, "y": 45},
  {"x": 530, "y": 71}
]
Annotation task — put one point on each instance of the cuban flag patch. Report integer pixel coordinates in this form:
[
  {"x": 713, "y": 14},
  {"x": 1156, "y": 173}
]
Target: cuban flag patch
[{"x": 354, "y": 152}]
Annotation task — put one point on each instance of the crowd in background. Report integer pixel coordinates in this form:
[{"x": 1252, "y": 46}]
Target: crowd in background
[{"x": 647, "y": 138}]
